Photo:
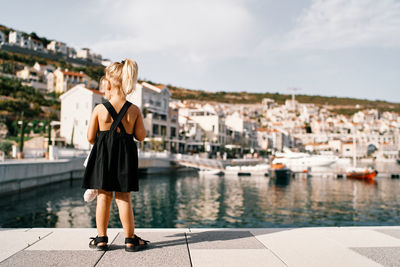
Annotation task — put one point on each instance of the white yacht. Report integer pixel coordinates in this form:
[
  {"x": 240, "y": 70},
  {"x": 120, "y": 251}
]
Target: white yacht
[{"x": 304, "y": 160}]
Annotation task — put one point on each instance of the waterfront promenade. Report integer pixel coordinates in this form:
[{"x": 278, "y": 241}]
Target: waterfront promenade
[{"x": 320, "y": 246}]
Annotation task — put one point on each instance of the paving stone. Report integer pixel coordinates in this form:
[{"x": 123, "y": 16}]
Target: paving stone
[
  {"x": 14, "y": 241},
  {"x": 70, "y": 239},
  {"x": 261, "y": 231},
  {"x": 309, "y": 247},
  {"x": 358, "y": 237},
  {"x": 166, "y": 249},
  {"x": 223, "y": 240},
  {"x": 387, "y": 256},
  {"x": 234, "y": 257},
  {"x": 392, "y": 232},
  {"x": 40, "y": 258}
]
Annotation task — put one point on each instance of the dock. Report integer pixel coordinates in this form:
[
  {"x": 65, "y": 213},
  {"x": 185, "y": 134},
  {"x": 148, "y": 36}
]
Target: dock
[{"x": 311, "y": 246}]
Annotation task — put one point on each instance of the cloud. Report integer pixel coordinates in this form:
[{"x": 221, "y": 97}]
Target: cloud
[
  {"x": 333, "y": 24},
  {"x": 192, "y": 31}
]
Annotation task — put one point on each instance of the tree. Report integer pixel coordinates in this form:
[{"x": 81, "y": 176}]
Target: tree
[
  {"x": 21, "y": 140},
  {"x": 48, "y": 135}
]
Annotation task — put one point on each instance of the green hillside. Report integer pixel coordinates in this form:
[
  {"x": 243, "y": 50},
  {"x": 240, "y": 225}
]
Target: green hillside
[{"x": 340, "y": 105}]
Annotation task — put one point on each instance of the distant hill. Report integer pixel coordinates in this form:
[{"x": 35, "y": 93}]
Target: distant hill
[{"x": 341, "y": 105}]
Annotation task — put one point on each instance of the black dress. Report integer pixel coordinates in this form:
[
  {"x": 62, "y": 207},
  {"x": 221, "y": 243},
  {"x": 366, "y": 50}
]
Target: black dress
[{"x": 113, "y": 161}]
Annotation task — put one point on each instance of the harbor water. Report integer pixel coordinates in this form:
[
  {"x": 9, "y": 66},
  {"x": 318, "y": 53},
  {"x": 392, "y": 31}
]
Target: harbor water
[{"x": 191, "y": 200}]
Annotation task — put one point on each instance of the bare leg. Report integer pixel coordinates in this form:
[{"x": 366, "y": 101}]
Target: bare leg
[
  {"x": 104, "y": 199},
  {"x": 123, "y": 200}
]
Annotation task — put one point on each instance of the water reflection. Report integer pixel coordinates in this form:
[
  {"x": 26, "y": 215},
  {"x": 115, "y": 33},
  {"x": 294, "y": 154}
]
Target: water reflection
[{"x": 189, "y": 200}]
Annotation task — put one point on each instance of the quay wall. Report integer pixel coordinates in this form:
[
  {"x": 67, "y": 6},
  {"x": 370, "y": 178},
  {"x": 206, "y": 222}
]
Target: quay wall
[{"x": 17, "y": 176}]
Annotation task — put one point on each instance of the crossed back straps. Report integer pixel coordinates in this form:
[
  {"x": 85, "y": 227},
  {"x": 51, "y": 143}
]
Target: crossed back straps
[{"x": 117, "y": 117}]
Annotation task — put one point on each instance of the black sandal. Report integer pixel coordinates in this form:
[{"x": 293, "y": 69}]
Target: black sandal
[
  {"x": 96, "y": 240},
  {"x": 136, "y": 244}
]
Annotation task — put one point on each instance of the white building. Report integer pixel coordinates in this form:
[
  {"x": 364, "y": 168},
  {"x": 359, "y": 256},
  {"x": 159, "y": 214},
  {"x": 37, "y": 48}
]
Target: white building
[
  {"x": 213, "y": 123},
  {"x": 33, "y": 77},
  {"x": 160, "y": 122},
  {"x": 264, "y": 139},
  {"x": 84, "y": 53},
  {"x": 2, "y": 37},
  {"x": 71, "y": 52},
  {"x": 15, "y": 38},
  {"x": 37, "y": 45},
  {"x": 77, "y": 105},
  {"x": 193, "y": 135},
  {"x": 57, "y": 47},
  {"x": 44, "y": 68}
]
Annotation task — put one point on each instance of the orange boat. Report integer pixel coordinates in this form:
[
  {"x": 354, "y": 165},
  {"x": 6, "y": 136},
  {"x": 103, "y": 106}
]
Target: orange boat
[
  {"x": 367, "y": 174},
  {"x": 277, "y": 166},
  {"x": 280, "y": 172}
]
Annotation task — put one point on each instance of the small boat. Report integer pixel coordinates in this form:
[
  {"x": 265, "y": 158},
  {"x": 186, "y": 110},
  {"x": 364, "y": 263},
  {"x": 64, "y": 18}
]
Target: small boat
[
  {"x": 211, "y": 172},
  {"x": 361, "y": 173},
  {"x": 279, "y": 171},
  {"x": 259, "y": 169},
  {"x": 367, "y": 174}
]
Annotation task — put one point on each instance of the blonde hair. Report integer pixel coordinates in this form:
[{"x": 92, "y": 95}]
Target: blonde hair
[{"x": 122, "y": 75}]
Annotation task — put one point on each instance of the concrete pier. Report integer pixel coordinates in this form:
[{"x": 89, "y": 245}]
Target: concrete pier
[
  {"x": 321, "y": 246},
  {"x": 19, "y": 175}
]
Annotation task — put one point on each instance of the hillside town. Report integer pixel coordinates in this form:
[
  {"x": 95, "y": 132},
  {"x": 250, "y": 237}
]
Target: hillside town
[
  {"x": 243, "y": 130},
  {"x": 213, "y": 129},
  {"x": 236, "y": 130}
]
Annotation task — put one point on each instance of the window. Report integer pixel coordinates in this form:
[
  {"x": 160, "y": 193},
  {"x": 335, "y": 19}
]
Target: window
[
  {"x": 173, "y": 131},
  {"x": 155, "y": 129},
  {"x": 163, "y": 130}
]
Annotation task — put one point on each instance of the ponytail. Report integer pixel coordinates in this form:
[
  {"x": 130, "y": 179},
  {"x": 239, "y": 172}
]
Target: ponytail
[{"x": 129, "y": 76}]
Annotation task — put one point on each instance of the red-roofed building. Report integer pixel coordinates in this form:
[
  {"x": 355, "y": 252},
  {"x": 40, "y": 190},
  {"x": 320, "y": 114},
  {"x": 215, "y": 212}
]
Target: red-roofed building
[{"x": 62, "y": 80}]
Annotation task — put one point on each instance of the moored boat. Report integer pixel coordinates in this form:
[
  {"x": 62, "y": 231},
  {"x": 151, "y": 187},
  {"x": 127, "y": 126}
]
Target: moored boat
[
  {"x": 300, "y": 161},
  {"x": 367, "y": 174},
  {"x": 211, "y": 172},
  {"x": 279, "y": 171},
  {"x": 259, "y": 169},
  {"x": 361, "y": 173}
]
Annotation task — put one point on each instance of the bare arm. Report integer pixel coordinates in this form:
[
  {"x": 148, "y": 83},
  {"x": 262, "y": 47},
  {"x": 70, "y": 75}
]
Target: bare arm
[
  {"x": 93, "y": 126},
  {"x": 139, "y": 130}
]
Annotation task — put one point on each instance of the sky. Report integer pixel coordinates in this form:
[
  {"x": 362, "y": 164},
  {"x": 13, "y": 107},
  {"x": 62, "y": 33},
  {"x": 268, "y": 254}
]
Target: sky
[{"x": 347, "y": 48}]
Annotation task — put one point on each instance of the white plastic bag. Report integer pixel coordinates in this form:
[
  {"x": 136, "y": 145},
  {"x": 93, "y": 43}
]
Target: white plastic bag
[{"x": 89, "y": 194}]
